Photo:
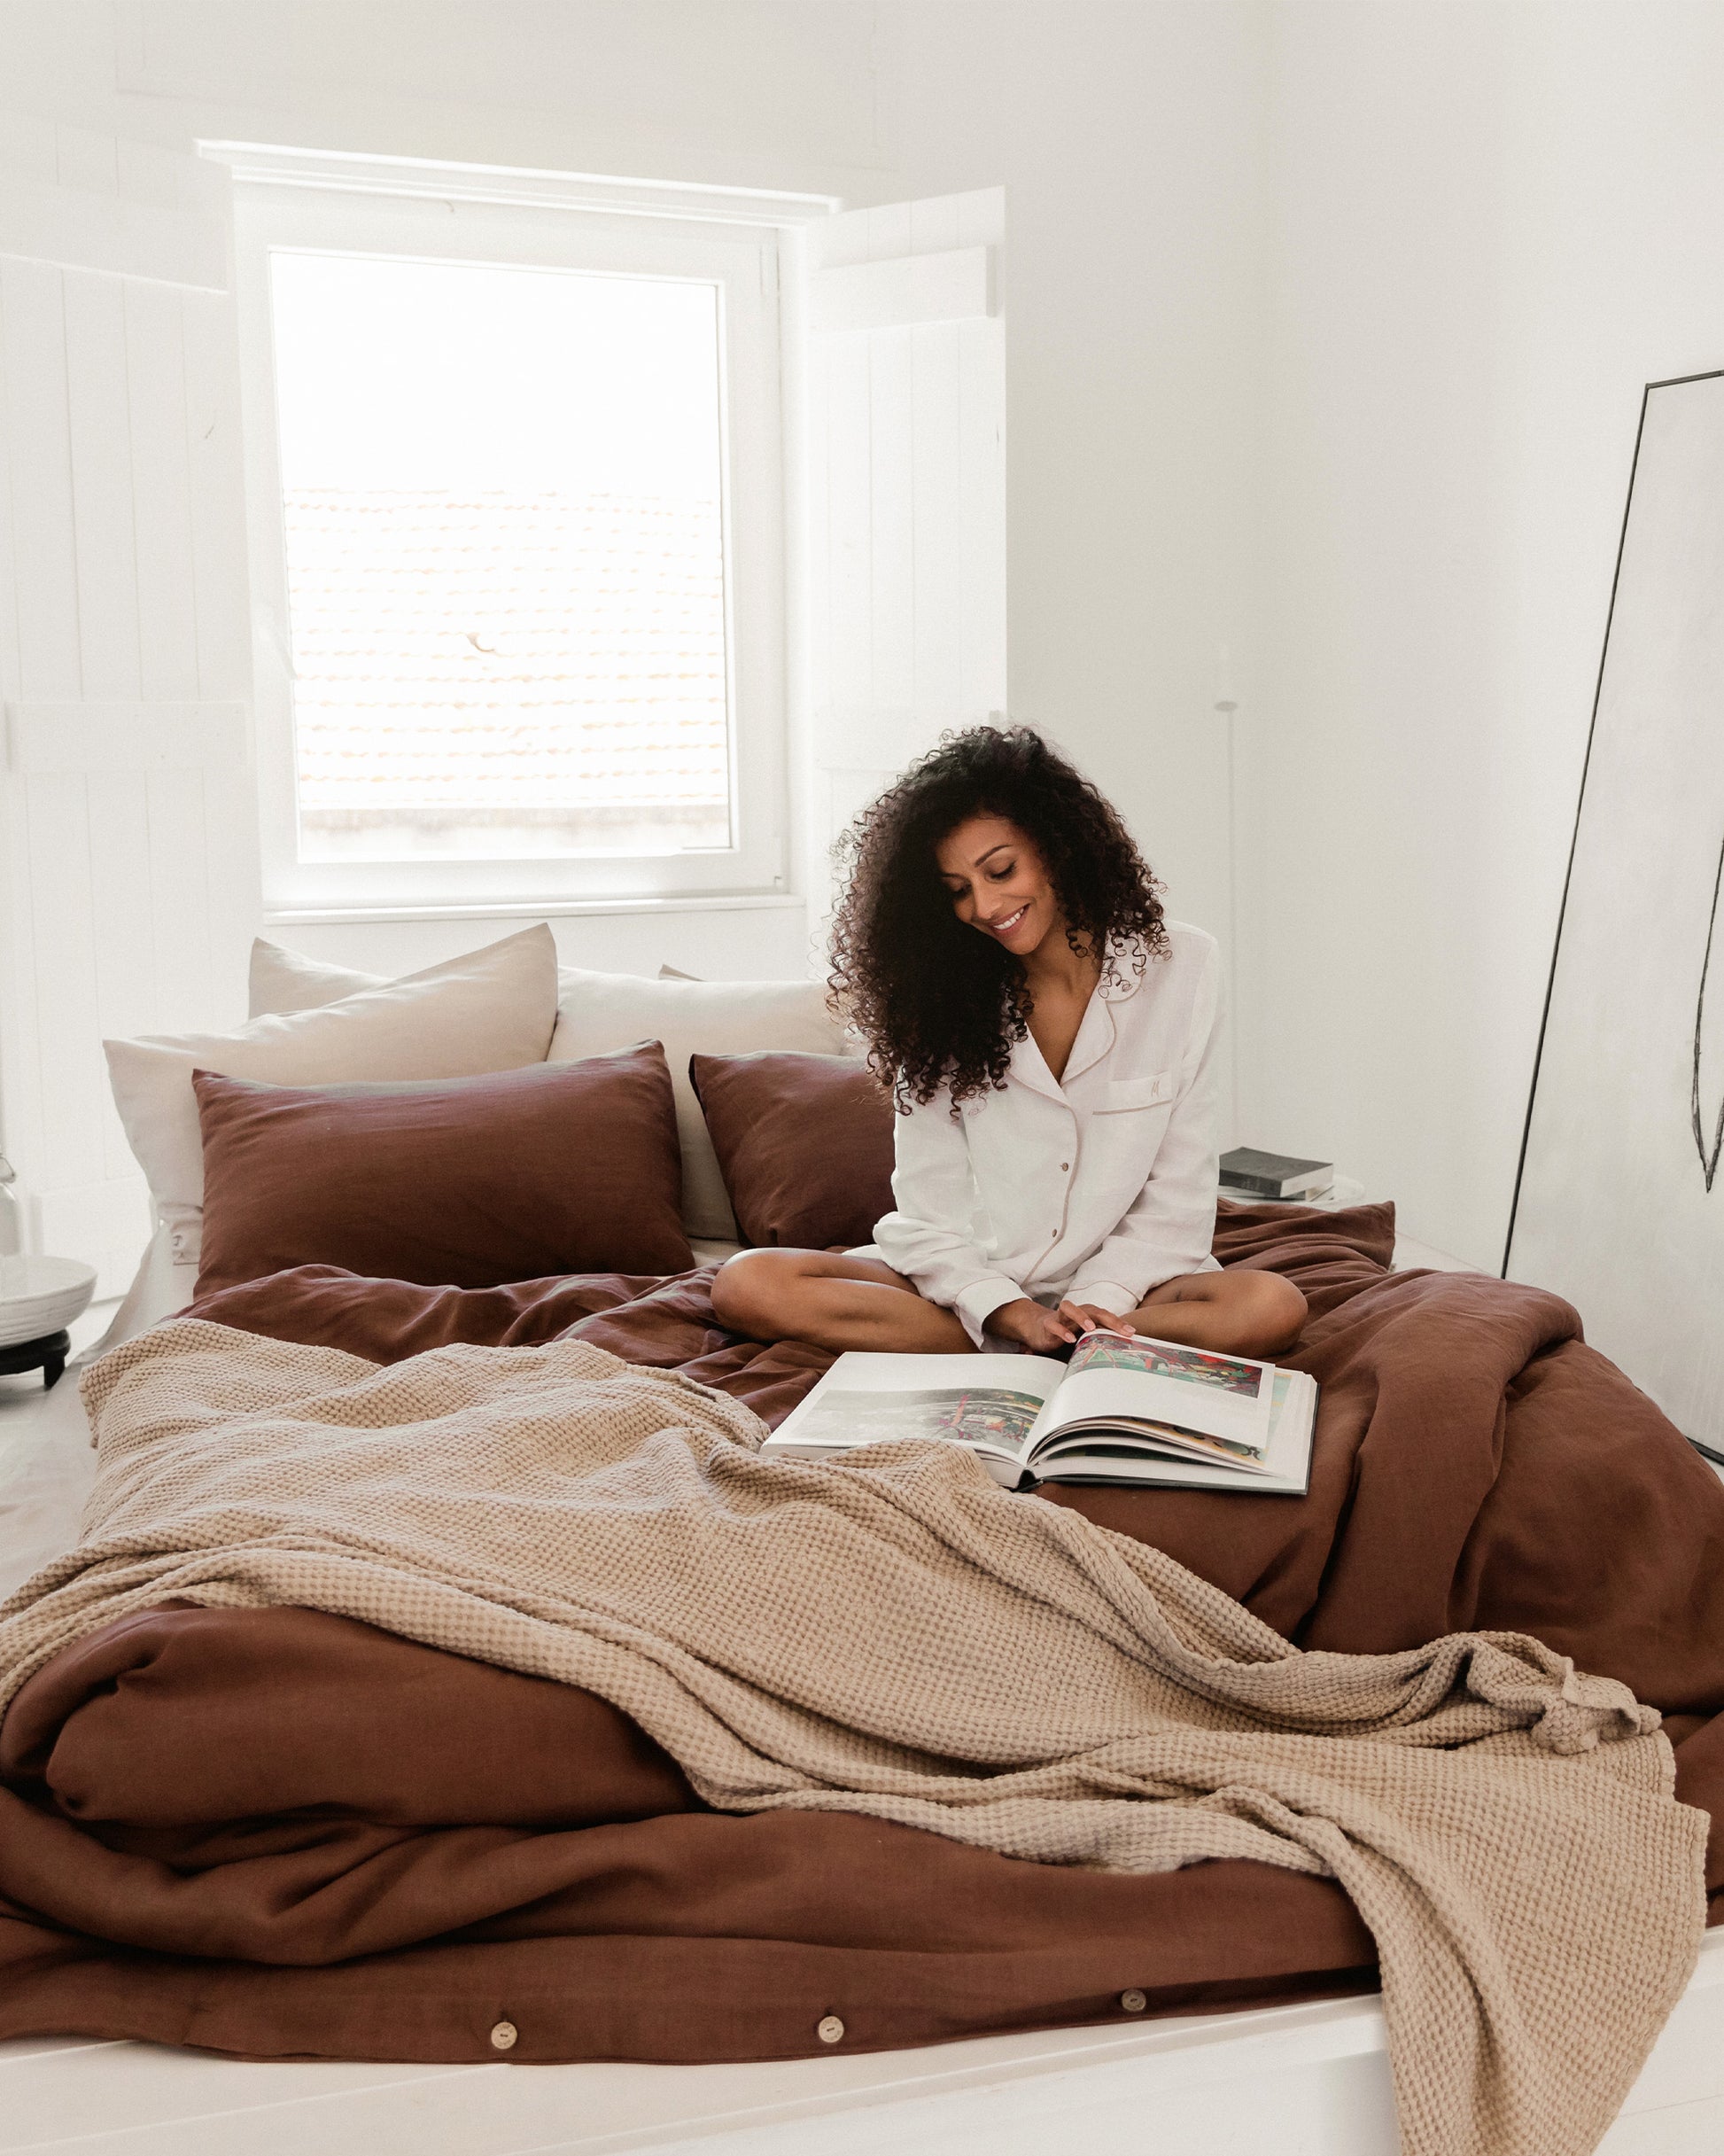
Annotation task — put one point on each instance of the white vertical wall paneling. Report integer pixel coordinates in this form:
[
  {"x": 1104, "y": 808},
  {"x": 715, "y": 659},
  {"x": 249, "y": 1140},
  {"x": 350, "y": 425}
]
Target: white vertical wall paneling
[
  {"x": 127, "y": 1002},
  {"x": 217, "y": 503},
  {"x": 891, "y": 486},
  {"x": 907, "y": 530},
  {"x": 936, "y": 228},
  {"x": 100, "y": 438},
  {"x": 66, "y": 1004},
  {"x": 122, "y": 619},
  {"x": 891, "y": 531},
  {"x": 217, "y": 497},
  {"x": 35, "y": 417},
  {"x": 74, "y": 200},
  {"x": 179, "y": 900},
  {"x": 21, "y": 1077},
  {"x": 937, "y": 453},
  {"x": 45, "y": 562},
  {"x": 90, "y": 903},
  {"x": 982, "y": 346},
  {"x": 817, "y": 538},
  {"x": 161, "y": 479},
  {"x": 161, "y": 490},
  {"x": 848, "y": 567}
]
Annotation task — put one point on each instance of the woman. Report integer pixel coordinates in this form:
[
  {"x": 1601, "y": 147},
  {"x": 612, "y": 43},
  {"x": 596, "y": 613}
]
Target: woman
[{"x": 1050, "y": 1042}]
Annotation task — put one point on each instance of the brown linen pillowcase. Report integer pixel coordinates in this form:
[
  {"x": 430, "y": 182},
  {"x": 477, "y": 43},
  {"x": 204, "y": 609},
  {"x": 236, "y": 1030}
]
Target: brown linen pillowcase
[
  {"x": 459, "y": 1182},
  {"x": 804, "y": 1143}
]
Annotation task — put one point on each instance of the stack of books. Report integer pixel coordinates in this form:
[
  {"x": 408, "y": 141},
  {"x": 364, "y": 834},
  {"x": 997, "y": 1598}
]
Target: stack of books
[{"x": 1277, "y": 1178}]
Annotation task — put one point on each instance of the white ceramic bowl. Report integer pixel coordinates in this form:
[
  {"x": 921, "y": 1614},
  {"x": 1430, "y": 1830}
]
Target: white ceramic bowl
[{"x": 39, "y": 1296}]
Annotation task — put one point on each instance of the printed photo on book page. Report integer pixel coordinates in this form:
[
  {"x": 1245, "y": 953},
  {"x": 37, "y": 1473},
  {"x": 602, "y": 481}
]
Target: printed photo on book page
[
  {"x": 979, "y": 1414},
  {"x": 869, "y": 1399},
  {"x": 1129, "y": 1375}
]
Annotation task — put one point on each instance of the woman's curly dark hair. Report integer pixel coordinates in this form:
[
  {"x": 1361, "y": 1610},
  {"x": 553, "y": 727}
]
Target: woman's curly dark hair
[{"x": 939, "y": 1004}]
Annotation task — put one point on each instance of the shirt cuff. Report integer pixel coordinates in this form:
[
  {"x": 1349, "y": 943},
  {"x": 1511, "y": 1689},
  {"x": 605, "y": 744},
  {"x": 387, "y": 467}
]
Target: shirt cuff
[
  {"x": 977, "y": 1303},
  {"x": 1106, "y": 1294}
]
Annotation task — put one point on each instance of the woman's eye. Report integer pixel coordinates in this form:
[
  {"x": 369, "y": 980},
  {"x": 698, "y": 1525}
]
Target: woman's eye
[{"x": 998, "y": 875}]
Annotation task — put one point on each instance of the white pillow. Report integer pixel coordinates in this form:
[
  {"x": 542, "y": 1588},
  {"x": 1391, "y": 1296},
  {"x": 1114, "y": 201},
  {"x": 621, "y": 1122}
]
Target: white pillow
[
  {"x": 601, "y": 1011},
  {"x": 493, "y": 1009}
]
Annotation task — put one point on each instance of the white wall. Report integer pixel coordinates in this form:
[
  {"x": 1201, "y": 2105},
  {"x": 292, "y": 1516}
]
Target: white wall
[
  {"x": 1122, "y": 129},
  {"x": 1328, "y": 323},
  {"x": 1489, "y": 226}
]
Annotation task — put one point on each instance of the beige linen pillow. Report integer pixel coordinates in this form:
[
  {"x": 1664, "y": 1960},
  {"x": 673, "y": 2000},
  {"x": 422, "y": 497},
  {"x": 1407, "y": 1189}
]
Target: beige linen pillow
[
  {"x": 599, "y": 1012},
  {"x": 284, "y": 981},
  {"x": 493, "y": 1009}
]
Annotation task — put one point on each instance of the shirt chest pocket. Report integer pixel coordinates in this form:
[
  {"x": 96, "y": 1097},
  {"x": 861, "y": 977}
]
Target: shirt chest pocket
[
  {"x": 1128, "y": 1125},
  {"x": 1125, "y": 1095}
]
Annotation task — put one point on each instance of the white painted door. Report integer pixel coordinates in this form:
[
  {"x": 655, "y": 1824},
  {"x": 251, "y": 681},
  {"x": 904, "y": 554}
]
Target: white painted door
[
  {"x": 907, "y": 502},
  {"x": 129, "y": 828}
]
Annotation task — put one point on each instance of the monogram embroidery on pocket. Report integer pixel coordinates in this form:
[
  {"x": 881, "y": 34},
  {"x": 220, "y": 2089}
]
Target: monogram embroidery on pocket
[{"x": 1138, "y": 1093}]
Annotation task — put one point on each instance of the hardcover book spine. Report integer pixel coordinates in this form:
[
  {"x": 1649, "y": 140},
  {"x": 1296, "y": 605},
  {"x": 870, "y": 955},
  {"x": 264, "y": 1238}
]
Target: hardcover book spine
[{"x": 1253, "y": 1185}]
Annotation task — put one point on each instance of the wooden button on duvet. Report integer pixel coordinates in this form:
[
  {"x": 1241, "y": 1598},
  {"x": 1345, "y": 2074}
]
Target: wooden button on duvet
[
  {"x": 1133, "y": 2002},
  {"x": 830, "y": 2029},
  {"x": 502, "y": 2037}
]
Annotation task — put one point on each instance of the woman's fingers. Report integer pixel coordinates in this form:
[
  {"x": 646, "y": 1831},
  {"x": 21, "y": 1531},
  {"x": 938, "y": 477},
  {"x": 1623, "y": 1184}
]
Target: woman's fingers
[{"x": 1090, "y": 1318}]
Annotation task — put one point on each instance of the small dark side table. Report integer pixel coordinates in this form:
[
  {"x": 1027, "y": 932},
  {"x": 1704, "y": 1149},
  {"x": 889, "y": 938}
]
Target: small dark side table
[{"x": 47, "y": 1355}]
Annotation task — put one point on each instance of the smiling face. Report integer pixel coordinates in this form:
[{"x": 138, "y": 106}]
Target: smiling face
[{"x": 999, "y": 883}]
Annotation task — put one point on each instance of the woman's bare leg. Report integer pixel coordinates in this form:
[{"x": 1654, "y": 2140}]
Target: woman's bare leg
[
  {"x": 1238, "y": 1312},
  {"x": 833, "y": 1302}
]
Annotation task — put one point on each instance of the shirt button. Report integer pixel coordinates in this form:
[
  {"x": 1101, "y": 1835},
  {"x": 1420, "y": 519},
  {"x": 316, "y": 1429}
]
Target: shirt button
[
  {"x": 502, "y": 2037},
  {"x": 830, "y": 2029},
  {"x": 1133, "y": 2002},
  {"x": 1065, "y": 1167}
]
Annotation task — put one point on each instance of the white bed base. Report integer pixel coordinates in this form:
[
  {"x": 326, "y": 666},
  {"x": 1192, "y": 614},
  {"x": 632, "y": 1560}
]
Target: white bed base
[{"x": 1291, "y": 2080}]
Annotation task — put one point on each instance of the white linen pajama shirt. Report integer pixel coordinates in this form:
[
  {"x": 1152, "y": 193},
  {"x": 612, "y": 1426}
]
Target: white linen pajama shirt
[{"x": 1094, "y": 1187}]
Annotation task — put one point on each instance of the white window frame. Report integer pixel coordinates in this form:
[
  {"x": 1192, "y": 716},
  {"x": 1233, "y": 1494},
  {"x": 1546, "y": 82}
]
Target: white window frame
[{"x": 408, "y": 209}]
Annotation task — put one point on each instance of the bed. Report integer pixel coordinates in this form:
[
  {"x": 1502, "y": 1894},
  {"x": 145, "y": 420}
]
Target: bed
[
  {"x": 272, "y": 1834},
  {"x": 1476, "y": 1466}
]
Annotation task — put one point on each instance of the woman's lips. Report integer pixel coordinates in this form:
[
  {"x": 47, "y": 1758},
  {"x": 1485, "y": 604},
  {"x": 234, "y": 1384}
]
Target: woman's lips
[{"x": 1006, "y": 927}]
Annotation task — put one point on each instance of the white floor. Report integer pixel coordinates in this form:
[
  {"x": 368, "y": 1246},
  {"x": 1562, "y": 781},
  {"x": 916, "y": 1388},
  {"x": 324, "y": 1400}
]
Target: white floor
[{"x": 1297, "y": 2080}]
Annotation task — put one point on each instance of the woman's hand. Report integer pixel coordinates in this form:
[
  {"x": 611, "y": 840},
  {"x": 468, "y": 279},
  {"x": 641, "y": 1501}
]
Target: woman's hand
[{"x": 1043, "y": 1331}]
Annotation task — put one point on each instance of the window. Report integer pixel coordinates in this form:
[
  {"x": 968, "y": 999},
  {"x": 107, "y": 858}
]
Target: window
[
  {"x": 517, "y": 488},
  {"x": 503, "y": 523}
]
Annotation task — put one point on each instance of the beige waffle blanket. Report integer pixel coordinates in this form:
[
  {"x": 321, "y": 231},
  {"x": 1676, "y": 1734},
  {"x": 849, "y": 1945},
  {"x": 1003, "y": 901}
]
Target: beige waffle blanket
[{"x": 897, "y": 1636}]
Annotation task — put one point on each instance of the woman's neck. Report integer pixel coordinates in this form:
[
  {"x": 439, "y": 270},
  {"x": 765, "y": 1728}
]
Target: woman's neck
[{"x": 1053, "y": 969}]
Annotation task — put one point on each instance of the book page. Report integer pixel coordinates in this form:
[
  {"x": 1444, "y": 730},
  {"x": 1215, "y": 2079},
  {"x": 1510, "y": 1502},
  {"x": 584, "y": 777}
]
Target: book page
[
  {"x": 1135, "y": 1378},
  {"x": 987, "y": 1402},
  {"x": 1284, "y": 1470}
]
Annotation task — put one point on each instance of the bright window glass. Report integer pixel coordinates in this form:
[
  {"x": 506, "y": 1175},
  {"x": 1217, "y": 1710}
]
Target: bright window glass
[{"x": 504, "y": 532}]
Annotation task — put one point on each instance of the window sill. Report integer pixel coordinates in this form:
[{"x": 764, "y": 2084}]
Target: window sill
[{"x": 531, "y": 909}]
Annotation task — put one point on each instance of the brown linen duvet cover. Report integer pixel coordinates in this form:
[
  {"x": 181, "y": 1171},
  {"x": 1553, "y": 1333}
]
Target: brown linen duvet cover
[{"x": 279, "y": 1833}]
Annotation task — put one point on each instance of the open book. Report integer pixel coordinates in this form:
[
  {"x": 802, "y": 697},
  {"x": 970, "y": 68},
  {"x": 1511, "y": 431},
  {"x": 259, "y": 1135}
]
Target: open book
[{"x": 1125, "y": 1409}]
